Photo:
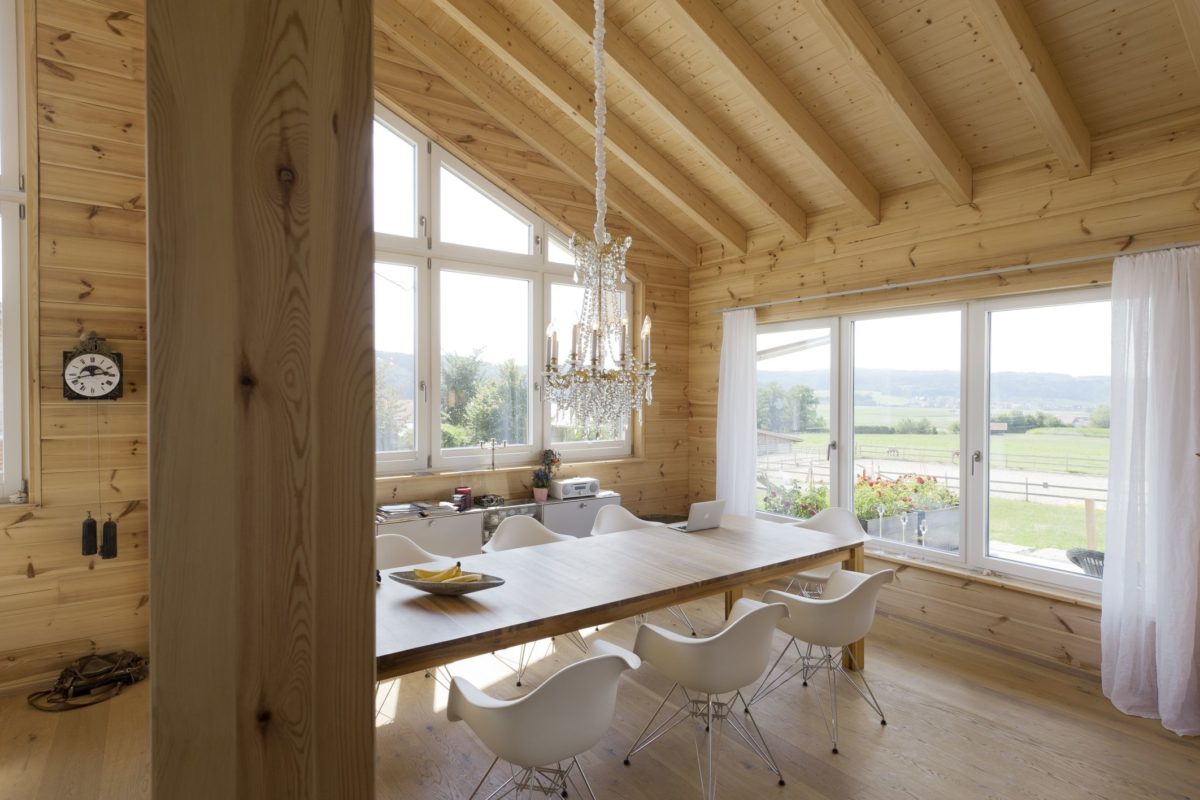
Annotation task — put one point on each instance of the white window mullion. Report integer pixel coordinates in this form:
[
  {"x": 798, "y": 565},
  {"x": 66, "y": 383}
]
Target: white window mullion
[{"x": 975, "y": 431}]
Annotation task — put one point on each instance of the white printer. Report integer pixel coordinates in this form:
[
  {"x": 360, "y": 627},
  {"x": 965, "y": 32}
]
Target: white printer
[{"x": 567, "y": 488}]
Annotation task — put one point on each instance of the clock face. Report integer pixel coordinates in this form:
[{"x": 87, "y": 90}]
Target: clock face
[{"x": 92, "y": 375}]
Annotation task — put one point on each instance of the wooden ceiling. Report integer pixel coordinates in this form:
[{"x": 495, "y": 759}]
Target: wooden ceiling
[{"x": 732, "y": 116}]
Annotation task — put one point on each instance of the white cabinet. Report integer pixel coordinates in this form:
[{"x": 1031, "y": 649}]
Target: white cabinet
[
  {"x": 576, "y": 516},
  {"x": 451, "y": 535}
]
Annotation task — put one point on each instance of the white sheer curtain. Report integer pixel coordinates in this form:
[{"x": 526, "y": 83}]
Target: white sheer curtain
[
  {"x": 1151, "y": 603},
  {"x": 737, "y": 413}
]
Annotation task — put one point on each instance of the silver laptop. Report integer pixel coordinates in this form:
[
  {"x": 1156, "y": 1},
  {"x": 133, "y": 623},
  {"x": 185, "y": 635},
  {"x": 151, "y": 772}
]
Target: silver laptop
[{"x": 702, "y": 516}]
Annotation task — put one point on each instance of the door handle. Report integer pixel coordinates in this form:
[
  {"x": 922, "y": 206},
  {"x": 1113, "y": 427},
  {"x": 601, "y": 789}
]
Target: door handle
[
  {"x": 424, "y": 396},
  {"x": 976, "y": 457},
  {"x": 829, "y": 448}
]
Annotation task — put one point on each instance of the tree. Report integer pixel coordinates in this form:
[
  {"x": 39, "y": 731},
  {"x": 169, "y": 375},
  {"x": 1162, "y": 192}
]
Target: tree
[
  {"x": 393, "y": 411},
  {"x": 512, "y": 386},
  {"x": 1100, "y": 416},
  {"x": 461, "y": 377},
  {"x": 789, "y": 411},
  {"x": 803, "y": 403},
  {"x": 483, "y": 416}
]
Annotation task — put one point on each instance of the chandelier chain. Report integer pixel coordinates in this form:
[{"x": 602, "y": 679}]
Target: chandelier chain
[{"x": 600, "y": 381}]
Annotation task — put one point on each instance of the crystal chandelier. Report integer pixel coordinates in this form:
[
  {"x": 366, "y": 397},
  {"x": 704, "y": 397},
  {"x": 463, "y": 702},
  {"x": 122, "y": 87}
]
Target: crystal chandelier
[{"x": 600, "y": 381}]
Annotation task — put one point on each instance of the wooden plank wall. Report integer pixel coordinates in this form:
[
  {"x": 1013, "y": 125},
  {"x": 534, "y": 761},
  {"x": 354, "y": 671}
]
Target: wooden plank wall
[
  {"x": 655, "y": 481},
  {"x": 90, "y": 214},
  {"x": 1050, "y": 627}
]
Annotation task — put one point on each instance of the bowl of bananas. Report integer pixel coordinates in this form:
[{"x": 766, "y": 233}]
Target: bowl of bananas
[{"x": 451, "y": 581}]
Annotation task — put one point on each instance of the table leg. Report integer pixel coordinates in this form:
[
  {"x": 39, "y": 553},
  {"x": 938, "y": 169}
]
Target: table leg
[
  {"x": 731, "y": 597},
  {"x": 855, "y": 562}
]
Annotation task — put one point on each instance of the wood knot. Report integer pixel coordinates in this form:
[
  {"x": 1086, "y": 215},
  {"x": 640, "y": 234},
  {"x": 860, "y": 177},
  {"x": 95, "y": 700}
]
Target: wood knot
[
  {"x": 286, "y": 176},
  {"x": 263, "y": 717},
  {"x": 247, "y": 380}
]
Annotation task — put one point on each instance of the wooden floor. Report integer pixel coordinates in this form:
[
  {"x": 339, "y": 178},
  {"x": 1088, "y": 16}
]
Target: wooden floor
[{"x": 963, "y": 722}]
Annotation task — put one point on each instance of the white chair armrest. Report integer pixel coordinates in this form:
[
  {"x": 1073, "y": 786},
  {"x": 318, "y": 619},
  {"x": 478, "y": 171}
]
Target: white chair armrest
[{"x": 603, "y": 648}]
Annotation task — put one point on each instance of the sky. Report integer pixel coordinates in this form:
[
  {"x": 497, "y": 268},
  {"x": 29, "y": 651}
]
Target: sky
[{"x": 1070, "y": 339}]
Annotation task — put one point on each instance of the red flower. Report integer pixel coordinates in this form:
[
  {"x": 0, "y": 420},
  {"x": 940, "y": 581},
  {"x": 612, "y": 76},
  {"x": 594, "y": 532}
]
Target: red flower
[{"x": 920, "y": 479}]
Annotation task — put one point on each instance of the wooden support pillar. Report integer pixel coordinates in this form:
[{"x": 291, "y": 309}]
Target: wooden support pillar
[{"x": 261, "y": 398}]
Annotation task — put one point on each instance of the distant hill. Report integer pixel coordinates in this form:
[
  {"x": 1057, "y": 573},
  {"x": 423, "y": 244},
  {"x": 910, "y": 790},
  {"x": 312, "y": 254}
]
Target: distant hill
[{"x": 1009, "y": 389}]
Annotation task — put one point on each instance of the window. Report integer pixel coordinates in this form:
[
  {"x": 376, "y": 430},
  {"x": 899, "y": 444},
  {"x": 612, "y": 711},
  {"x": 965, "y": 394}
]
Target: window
[
  {"x": 795, "y": 417},
  {"x": 395, "y": 181},
  {"x": 907, "y": 428},
  {"x": 469, "y": 215},
  {"x": 462, "y": 298},
  {"x": 397, "y": 372},
  {"x": 12, "y": 231},
  {"x": 485, "y": 383},
  {"x": 972, "y": 434},
  {"x": 558, "y": 251},
  {"x": 1046, "y": 442}
]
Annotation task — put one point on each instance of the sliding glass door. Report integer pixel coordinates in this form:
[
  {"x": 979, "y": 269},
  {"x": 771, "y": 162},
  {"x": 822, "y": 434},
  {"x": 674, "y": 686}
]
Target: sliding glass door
[{"x": 906, "y": 428}]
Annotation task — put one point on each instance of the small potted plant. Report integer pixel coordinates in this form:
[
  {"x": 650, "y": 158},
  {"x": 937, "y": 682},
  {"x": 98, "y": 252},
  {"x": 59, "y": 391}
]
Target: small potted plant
[{"x": 541, "y": 484}]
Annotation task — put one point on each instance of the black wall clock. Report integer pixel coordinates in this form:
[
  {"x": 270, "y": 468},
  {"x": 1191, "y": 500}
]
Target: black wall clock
[{"x": 92, "y": 371}]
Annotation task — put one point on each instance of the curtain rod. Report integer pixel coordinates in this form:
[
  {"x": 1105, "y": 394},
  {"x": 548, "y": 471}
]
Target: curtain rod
[{"x": 887, "y": 287}]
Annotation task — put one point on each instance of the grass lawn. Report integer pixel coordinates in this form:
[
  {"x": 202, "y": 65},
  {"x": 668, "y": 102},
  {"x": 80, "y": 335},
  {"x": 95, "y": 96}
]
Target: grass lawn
[{"x": 1041, "y": 525}]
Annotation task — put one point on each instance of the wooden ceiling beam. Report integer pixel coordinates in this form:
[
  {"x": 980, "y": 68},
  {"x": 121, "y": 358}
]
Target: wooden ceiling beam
[
  {"x": 673, "y": 106},
  {"x": 853, "y": 36},
  {"x": 404, "y": 28},
  {"x": 734, "y": 56},
  {"x": 519, "y": 53},
  {"x": 1008, "y": 27},
  {"x": 1189, "y": 21}
]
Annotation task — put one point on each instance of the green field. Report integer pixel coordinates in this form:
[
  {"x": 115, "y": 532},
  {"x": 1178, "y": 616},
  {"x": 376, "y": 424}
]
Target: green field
[
  {"x": 1040, "y": 525},
  {"x": 1081, "y": 451}
]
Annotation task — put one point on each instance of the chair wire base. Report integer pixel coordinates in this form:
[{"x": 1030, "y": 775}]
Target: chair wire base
[
  {"x": 557, "y": 780},
  {"x": 717, "y": 714},
  {"x": 441, "y": 676},
  {"x": 807, "y": 665},
  {"x": 526, "y": 652}
]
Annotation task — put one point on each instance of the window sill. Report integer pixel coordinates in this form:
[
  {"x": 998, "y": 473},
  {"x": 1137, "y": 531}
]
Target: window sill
[
  {"x": 572, "y": 470},
  {"x": 1059, "y": 595}
]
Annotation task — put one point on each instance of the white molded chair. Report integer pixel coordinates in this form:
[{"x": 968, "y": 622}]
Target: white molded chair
[
  {"x": 842, "y": 615},
  {"x": 548, "y": 727},
  {"x": 394, "y": 550},
  {"x": 514, "y": 533},
  {"x": 830, "y": 520},
  {"x": 710, "y": 667},
  {"x": 521, "y": 530},
  {"x": 611, "y": 519}
]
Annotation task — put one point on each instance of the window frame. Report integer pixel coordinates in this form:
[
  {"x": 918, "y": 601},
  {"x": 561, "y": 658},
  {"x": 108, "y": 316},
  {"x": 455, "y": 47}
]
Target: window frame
[
  {"x": 440, "y": 159},
  {"x": 446, "y": 458},
  {"x": 389, "y": 462},
  {"x": 437, "y": 255},
  {"x": 980, "y": 439},
  {"x": 395, "y": 243},
  {"x": 14, "y": 232},
  {"x": 975, "y": 373},
  {"x": 832, "y": 324},
  {"x": 847, "y": 432}
]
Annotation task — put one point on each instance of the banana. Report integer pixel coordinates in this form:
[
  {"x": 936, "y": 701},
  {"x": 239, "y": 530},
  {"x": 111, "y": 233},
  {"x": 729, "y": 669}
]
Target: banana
[
  {"x": 466, "y": 577},
  {"x": 437, "y": 576}
]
